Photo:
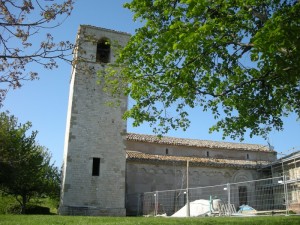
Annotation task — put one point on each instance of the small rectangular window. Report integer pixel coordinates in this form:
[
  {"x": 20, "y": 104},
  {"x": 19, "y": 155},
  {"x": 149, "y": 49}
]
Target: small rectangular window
[{"x": 96, "y": 167}]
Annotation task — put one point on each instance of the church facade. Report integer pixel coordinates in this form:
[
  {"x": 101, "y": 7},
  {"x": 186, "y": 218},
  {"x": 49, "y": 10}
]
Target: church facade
[{"x": 103, "y": 163}]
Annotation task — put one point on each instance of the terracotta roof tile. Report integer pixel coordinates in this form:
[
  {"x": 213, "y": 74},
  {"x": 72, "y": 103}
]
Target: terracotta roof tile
[
  {"x": 211, "y": 162},
  {"x": 197, "y": 143}
]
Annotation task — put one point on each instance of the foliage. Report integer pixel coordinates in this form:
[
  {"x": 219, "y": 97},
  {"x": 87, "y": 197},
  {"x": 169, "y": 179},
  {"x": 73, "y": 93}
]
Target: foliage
[
  {"x": 22, "y": 24},
  {"x": 26, "y": 170},
  {"x": 9, "y": 205},
  {"x": 239, "y": 59},
  {"x": 32, "y": 220}
]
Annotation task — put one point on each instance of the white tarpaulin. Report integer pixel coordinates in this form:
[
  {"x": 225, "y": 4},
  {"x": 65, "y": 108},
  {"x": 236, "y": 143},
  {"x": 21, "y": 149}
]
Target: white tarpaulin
[{"x": 198, "y": 208}]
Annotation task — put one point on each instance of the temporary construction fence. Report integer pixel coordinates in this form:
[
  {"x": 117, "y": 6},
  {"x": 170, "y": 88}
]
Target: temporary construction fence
[{"x": 273, "y": 195}]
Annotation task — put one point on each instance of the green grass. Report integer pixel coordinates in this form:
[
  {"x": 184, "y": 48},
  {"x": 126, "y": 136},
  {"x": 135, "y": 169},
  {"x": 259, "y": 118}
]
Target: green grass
[
  {"x": 7, "y": 202},
  {"x": 80, "y": 220}
]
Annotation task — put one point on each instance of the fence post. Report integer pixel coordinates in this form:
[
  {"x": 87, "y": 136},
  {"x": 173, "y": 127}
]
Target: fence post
[
  {"x": 156, "y": 203},
  {"x": 187, "y": 190},
  {"x": 229, "y": 204},
  {"x": 286, "y": 196},
  {"x": 138, "y": 204}
]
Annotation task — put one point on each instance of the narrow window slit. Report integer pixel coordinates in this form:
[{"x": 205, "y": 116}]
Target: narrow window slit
[{"x": 96, "y": 167}]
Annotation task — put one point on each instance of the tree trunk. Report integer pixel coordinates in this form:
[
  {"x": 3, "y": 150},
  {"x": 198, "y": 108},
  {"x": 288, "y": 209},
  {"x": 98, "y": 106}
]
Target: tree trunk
[{"x": 23, "y": 206}]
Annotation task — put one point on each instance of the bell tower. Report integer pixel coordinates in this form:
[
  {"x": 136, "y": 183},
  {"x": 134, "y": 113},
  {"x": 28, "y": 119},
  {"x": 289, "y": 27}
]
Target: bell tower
[{"x": 93, "y": 179}]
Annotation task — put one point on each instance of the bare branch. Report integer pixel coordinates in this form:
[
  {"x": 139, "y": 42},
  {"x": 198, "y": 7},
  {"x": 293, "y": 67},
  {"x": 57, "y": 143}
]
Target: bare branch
[{"x": 16, "y": 28}]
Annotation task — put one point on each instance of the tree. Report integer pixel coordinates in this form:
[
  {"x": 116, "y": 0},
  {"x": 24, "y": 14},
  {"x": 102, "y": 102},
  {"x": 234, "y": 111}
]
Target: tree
[
  {"x": 22, "y": 23},
  {"x": 240, "y": 59},
  {"x": 25, "y": 167}
]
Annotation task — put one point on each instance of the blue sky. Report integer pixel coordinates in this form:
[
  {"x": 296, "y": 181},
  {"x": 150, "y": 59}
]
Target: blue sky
[{"x": 44, "y": 102}]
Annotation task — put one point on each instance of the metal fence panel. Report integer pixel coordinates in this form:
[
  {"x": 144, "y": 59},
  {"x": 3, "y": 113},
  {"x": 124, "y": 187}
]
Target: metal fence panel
[{"x": 274, "y": 195}]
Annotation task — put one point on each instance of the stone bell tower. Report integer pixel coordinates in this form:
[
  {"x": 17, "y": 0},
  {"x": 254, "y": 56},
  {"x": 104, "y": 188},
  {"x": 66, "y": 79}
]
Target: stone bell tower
[{"x": 93, "y": 179}]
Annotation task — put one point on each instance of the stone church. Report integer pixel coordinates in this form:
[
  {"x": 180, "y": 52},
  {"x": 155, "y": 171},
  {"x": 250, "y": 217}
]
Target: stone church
[{"x": 103, "y": 163}]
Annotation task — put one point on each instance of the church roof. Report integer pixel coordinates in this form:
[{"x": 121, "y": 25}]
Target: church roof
[
  {"x": 194, "y": 161},
  {"x": 196, "y": 143}
]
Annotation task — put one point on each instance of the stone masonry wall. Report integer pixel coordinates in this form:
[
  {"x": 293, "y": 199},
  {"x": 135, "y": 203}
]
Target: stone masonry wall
[
  {"x": 94, "y": 130},
  {"x": 149, "y": 177}
]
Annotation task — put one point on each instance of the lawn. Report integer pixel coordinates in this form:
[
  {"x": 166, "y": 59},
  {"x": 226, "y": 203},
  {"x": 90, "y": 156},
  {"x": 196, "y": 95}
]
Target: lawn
[{"x": 66, "y": 220}]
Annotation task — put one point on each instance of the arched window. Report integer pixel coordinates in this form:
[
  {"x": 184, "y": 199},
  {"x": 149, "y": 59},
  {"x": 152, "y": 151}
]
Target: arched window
[
  {"x": 167, "y": 151},
  {"x": 207, "y": 154},
  {"x": 103, "y": 51}
]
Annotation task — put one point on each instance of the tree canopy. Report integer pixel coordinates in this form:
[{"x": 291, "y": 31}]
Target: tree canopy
[
  {"x": 22, "y": 25},
  {"x": 26, "y": 170},
  {"x": 238, "y": 59}
]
